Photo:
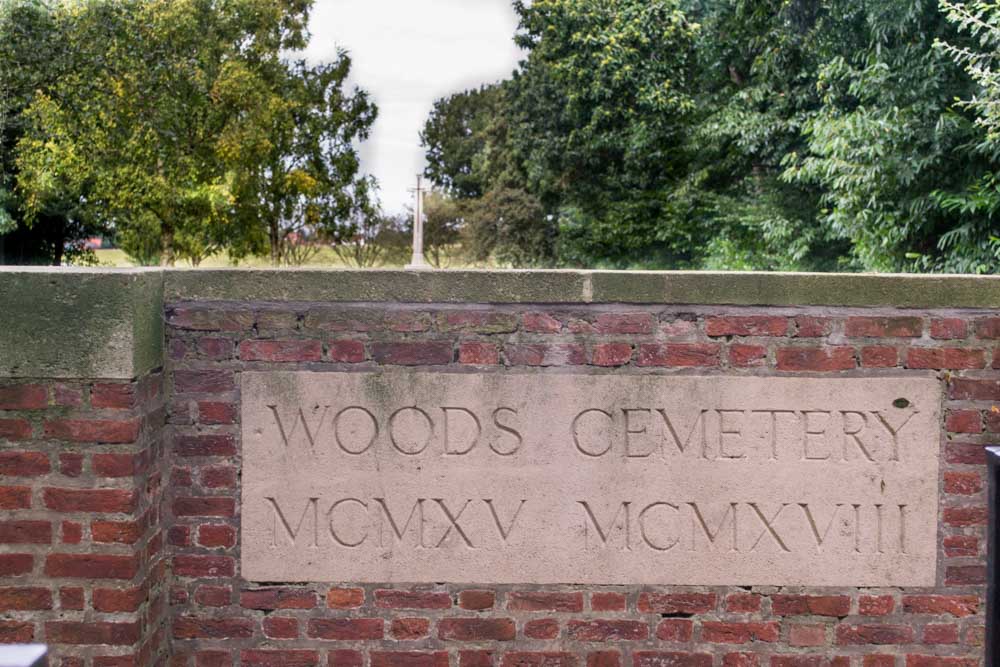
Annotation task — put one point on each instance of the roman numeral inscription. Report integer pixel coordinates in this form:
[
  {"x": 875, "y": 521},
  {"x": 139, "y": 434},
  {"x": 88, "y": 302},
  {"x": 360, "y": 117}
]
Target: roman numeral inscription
[{"x": 406, "y": 476}]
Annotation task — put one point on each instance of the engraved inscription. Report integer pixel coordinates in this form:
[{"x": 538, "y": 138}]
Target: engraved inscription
[{"x": 508, "y": 478}]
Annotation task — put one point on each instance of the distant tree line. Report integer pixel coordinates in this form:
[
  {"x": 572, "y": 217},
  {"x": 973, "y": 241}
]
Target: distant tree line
[
  {"x": 179, "y": 127},
  {"x": 733, "y": 134}
]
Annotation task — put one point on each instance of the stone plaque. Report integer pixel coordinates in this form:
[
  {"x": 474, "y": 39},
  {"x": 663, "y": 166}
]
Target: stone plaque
[{"x": 412, "y": 476}]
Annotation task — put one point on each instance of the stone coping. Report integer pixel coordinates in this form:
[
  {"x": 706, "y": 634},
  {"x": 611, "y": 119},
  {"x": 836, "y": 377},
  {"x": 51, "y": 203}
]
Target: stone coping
[{"x": 107, "y": 323}]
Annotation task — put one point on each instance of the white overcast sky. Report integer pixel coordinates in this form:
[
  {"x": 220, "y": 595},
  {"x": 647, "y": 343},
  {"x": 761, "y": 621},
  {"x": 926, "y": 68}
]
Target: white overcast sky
[{"x": 408, "y": 53}]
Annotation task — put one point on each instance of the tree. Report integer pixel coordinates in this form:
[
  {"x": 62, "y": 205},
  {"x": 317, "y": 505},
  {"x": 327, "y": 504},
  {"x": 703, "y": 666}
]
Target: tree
[{"x": 510, "y": 227}]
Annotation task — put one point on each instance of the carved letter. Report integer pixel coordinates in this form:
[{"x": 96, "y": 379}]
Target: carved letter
[
  {"x": 820, "y": 539},
  {"x": 506, "y": 429},
  {"x": 576, "y": 437},
  {"x": 310, "y": 433},
  {"x": 629, "y": 431},
  {"x": 712, "y": 536},
  {"x": 604, "y": 534},
  {"x": 453, "y": 523},
  {"x": 333, "y": 532},
  {"x": 336, "y": 429},
  {"x": 894, "y": 430},
  {"x": 724, "y": 431},
  {"x": 504, "y": 532},
  {"x": 681, "y": 446},
  {"x": 773, "y": 430},
  {"x": 853, "y": 435},
  {"x": 642, "y": 527},
  {"x": 418, "y": 507},
  {"x": 392, "y": 433},
  {"x": 810, "y": 430},
  {"x": 768, "y": 527},
  {"x": 294, "y": 534},
  {"x": 447, "y": 431}
]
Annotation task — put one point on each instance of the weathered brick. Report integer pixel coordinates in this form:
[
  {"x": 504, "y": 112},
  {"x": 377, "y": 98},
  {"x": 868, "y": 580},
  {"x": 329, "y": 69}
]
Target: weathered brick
[
  {"x": 675, "y": 630},
  {"x": 949, "y": 328},
  {"x": 207, "y": 506},
  {"x": 281, "y": 351},
  {"x": 25, "y": 598},
  {"x": 476, "y": 629},
  {"x": 963, "y": 483},
  {"x": 15, "y": 429},
  {"x": 113, "y": 396},
  {"x": 108, "y": 501},
  {"x": 967, "y": 389},
  {"x": 567, "y": 354},
  {"x": 102, "y": 431},
  {"x": 874, "y": 634},
  {"x": 477, "y": 321},
  {"x": 279, "y": 658},
  {"x": 476, "y": 600},
  {"x": 345, "y": 658},
  {"x": 215, "y": 536},
  {"x": 203, "y": 382},
  {"x": 611, "y": 354},
  {"x": 424, "y": 353},
  {"x": 116, "y": 465},
  {"x": 91, "y": 566},
  {"x": 605, "y": 601},
  {"x": 988, "y": 328},
  {"x": 213, "y": 444},
  {"x": 602, "y": 630},
  {"x": 542, "y": 323},
  {"x": 876, "y": 605},
  {"x": 953, "y": 605},
  {"x": 345, "y": 629},
  {"x": 966, "y": 516},
  {"x": 345, "y": 598},
  {"x": 745, "y": 356},
  {"x": 396, "y": 599},
  {"x": 804, "y": 635},
  {"x": 346, "y": 351},
  {"x": 215, "y": 349},
  {"x": 538, "y": 659},
  {"x": 195, "y": 565},
  {"x": 676, "y": 603},
  {"x": 807, "y": 326},
  {"x": 25, "y": 532},
  {"x": 541, "y": 628},
  {"x": 219, "y": 477},
  {"x": 718, "y": 632},
  {"x": 950, "y": 358},
  {"x": 679, "y": 354},
  {"x": 280, "y": 627},
  {"x": 545, "y": 601},
  {"x": 965, "y": 575},
  {"x": 23, "y": 464},
  {"x": 743, "y": 603},
  {"x": 213, "y": 596},
  {"x": 112, "y": 600},
  {"x": 15, "y": 497},
  {"x": 671, "y": 659},
  {"x": 957, "y": 546},
  {"x": 215, "y": 412},
  {"x": 13, "y": 565},
  {"x": 879, "y": 356},
  {"x": 814, "y": 605},
  {"x": 884, "y": 327},
  {"x": 624, "y": 323},
  {"x": 278, "y": 598},
  {"x": 122, "y": 532},
  {"x": 92, "y": 632},
  {"x": 409, "y": 628},
  {"x": 210, "y": 319},
  {"x": 815, "y": 358},
  {"x": 23, "y": 397},
  {"x": 752, "y": 325},
  {"x": 196, "y": 627},
  {"x": 479, "y": 354}
]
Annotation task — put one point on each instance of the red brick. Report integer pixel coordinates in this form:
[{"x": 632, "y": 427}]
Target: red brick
[
  {"x": 953, "y": 605},
  {"x": 71, "y": 465},
  {"x": 612, "y": 354},
  {"x": 992, "y": 418},
  {"x": 345, "y": 598},
  {"x": 425, "y": 353},
  {"x": 813, "y": 327},
  {"x": 476, "y": 629},
  {"x": 940, "y": 634},
  {"x": 214, "y": 506},
  {"x": 477, "y": 321},
  {"x": 624, "y": 323},
  {"x": 479, "y": 354},
  {"x": 802, "y": 635},
  {"x": 195, "y": 627},
  {"x": 538, "y": 659},
  {"x": 115, "y": 465},
  {"x": 876, "y": 605},
  {"x": 962, "y": 389},
  {"x": 671, "y": 659},
  {"x": 753, "y": 325},
  {"x": 15, "y": 497},
  {"x": 966, "y": 516},
  {"x": 957, "y": 546},
  {"x": 15, "y": 429},
  {"x": 963, "y": 483},
  {"x": 216, "y": 536},
  {"x": 112, "y": 600},
  {"x": 72, "y": 532},
  {"x": 679, "y": 354},
  {"x": 542, "y": 628},
  {"x": 203, "y": 382},
  {"x": 219, "y": 477},
  {"x": 812, "y": 605},
  {"x": 964, "y": 421},
  {"x": 215, "y": 349},
  {"x": 279, "y": 658},
  {"x": 278, "y": 598},
  {"x": 122, "y": 532},
  {"x": 951, "y": 358},
  {"x": 604, "y": 659},
  {"x": 540, "y": 323},
  {"x": 570, "y": 354},
  {"x": 874, "y": 634},
  {"x": 115, "y": 396},
  {"x": 879, "y": 356},
  {"x": 743, "y": 603},
  {"x": 884, "y": 327},
  {"x": 676, "y": 603},
  {"x": 745, "y": 356},
  {"x": 964, "y": 453},
  {"x": 809, "y": 661},
  {"x": 949, "y": 328},
  {"x": 475, "y": 658},
  {"x": 23, "y": 397},
  {"x": 16, "y": 632},
  {"x": 476, "y": 600},
  {"x": 214, "y": 412},
  {"x": 280, "y": 627},
  {"x": 607, "y": 601},
  {"x": 213, "y": 596},
  {"x": 346, "y": 351},
  {"x": 192, "y": 565},
  {"x": 108, "y": 501},
  {"x": 965, "y": 575},
  {"x": 23, "y": 464},
  {"x": 939, "y": 661},
  {"x": 103, "y": 431},
  {"x": 815, "y": 358},
  {"x": 409, "y": 659},
  {"x": 91, "y": 632},
  {"x": 216, "y": 444},
  {"x": 91, "y": 566},
  {"x": 345, "y": 658},
  {"x": 675, "y": 630},
  {"x": 347, "y": 629},
  {"x": 717, "y": 632},
  {"x": 409, "y": 628},
  {"x": 12, "y": 565},
  {"x": 988, "y": 327},
  {"x": 276, "y": 320},
  {"x": 210, "y": 319},
  {"x": 396, "y": 599},
  {"x": 603, "y": 630},
  {"x": 25, "y": 599},
  {"x": 408, "y": 322},
  {"x": 211, "y": 659},
  {"x": 71, "y": 599},
  {"x": 281, "y": 351},
  {"x": 545, "y": 601},
  {"x": 741, "y": 660}
]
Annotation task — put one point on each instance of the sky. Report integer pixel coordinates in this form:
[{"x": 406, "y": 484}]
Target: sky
[{"x": 408, "y": 53}]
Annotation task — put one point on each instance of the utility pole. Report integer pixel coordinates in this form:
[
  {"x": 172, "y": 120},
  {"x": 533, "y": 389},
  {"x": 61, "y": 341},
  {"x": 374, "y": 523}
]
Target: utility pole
[{"x": 418, "y": 262}]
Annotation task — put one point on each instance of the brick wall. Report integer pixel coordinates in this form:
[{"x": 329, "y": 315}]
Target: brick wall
[
  {"x": 81, "y": 544},
  {"x": 218, "y": 619}
]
